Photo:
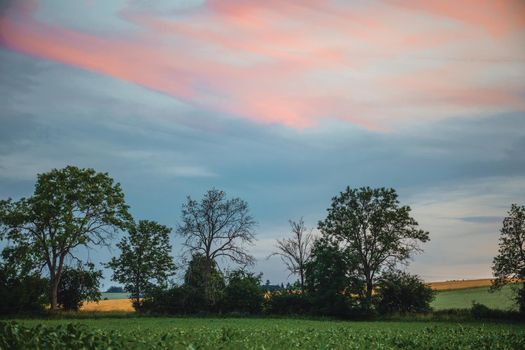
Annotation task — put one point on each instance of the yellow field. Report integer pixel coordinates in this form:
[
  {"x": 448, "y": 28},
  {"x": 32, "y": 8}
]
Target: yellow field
[
  {"x": 109, "y": 305},
  {"x": 448, "y": 285}
]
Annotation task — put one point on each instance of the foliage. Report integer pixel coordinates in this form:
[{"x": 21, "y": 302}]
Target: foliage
[
  {"x": 70, "y": 208},
  {"x": 288, "y": 302},
  {"x": 217, "y": 228},
  {"x": 401, "y": 292},
  {"x": 21, "y": 293},
  {"x": 145, "y": 260},
  {"x": 243, "y": 293},
  {"x": 185, "y": 333},
  {"x": 331, "y": 279},
  {"x": 509, "y": 264},
  {"x": 295, "y": 252},
  {"x": 70, "y": 336},
  {"x": 204, "y": 284},
  {"x": 78, "y": 285},
  {"x": 372, "y": 227},
  {"x": 175, "y": 300}
]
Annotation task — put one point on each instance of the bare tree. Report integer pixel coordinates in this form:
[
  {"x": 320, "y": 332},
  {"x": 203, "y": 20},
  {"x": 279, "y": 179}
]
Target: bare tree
[
  {"x": 295, "y": 251},
  {"x": 217, "y": 227}
]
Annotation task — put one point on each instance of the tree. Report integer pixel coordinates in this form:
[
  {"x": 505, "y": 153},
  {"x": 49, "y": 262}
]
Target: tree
[
  {"x": 204, "y": 283},
  {"x": 295, "y": 252},
  {"x": 70, "y": 208},
  {"x": 145, "y": 259},
  {"x": 332, "y": 278},
  {"x": 215, "y": 228},
  {"x": 509, "y": 264},
  {"x": 22, "y": 289},
  {"x": 78, "y": 285},
  {"x": 243, "y": 293},
  {"x": 399, "y": 291},
  {"x": 372, "y": 227}
]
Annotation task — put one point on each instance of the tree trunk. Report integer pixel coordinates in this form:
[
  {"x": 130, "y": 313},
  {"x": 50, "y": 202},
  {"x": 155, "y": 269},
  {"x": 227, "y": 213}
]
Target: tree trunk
[
  {"x": 54, "y": 294},
  {"x": 301, "y": 272}
]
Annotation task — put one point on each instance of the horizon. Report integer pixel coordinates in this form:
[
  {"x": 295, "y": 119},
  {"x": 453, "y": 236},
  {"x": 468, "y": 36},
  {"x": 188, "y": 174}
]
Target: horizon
[{"x": 280, "y": 104}]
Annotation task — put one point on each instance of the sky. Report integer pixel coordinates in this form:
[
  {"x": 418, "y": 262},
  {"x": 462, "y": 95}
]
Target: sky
[{"x": 280, "y": 103}]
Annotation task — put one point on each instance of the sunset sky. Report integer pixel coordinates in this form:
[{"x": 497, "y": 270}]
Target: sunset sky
[{"x": 281, "y": 103}]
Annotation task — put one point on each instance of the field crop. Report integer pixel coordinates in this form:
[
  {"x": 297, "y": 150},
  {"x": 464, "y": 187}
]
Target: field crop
[{"x": 215, "y": 333}]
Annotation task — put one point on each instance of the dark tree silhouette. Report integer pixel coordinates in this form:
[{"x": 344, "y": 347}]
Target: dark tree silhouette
[
  {"x": 509, "y": 264},
  {"x": 370, "y": 225},
  {"x": 215, "y": 228},
  {"x": 70, "y": 208}
]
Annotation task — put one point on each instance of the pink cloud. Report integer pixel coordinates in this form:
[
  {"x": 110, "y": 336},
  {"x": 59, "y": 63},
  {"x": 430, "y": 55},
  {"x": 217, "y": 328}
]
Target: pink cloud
[{"x": 294, "y": 65}]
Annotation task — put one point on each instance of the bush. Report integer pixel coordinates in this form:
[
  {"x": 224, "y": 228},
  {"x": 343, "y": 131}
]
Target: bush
[
  {"x": 174, "y": 300},
  {"x": 78, "y": 285},
  {"x": 288, "y": 303},
  {"x": 243, "y": 293},
  {"x": 400, "y": 292},
  {"x": 22, "y": 294}
]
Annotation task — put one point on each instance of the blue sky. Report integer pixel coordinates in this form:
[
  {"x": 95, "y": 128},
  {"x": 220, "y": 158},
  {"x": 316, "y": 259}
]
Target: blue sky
[{"x": 287, "y": 134}]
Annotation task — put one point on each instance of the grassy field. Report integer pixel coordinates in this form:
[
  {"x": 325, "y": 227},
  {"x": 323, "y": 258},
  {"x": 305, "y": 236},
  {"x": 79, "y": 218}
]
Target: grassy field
[
  {"x": 463, "y": 298},
  {"x": 252, "y": 333}
]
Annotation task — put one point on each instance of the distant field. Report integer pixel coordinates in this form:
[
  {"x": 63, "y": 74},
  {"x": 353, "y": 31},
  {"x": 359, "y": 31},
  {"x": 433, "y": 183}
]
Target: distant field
[
  {"x": 463, "y": 298},
  {"x": 460, "y": 284}
]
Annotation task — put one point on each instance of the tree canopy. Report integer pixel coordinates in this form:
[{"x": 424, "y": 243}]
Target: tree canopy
[
  {"x": 145, "y": 260},
  {"x": 509, "y": 264},
  {"x": 70, "y": 208},
  {"x": 370, "y": 225}
]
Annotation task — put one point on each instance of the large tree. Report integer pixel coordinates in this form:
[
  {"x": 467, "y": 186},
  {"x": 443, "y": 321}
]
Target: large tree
[
  {"x": 374, "y": 228},
  {"x": 217, "y": 227},
  {"x": 509, "y": 264},
  {"x": 295, "y": 251},
  {"x": 70, "y": 208},
  {"x": 145, "y": 260}
]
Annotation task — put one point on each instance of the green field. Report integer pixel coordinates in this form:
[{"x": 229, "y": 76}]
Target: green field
[
  {"x": 252, "y": 333},
  {"x": 463, "y": 298}
]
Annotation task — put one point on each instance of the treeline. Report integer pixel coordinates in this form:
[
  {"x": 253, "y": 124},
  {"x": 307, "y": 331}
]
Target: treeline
[{"x": 351, "y": 269}]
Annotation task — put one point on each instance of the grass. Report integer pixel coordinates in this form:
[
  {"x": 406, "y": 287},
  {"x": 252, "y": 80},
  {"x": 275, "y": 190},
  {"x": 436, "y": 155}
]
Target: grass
[
  {"x": 279, "y": 333},
  {"x": 463, "y": 298}
]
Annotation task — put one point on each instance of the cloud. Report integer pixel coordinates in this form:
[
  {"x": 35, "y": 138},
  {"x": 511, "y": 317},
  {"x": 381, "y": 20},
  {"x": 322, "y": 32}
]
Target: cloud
[
  {"x": 377, "y": 65},
  {"x": 482, "y": 219}
]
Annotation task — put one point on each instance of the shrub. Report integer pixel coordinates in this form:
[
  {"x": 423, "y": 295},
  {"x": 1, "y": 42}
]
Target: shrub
[
  {"x": 22, "y": 294},
  {"x": 288, "y": 303},
  {"x": 404, "y": 293},
  {"x": 172, "y": 301},
  {"x": 243, "y": 293},
  {"x": 78, "y": 285}
]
